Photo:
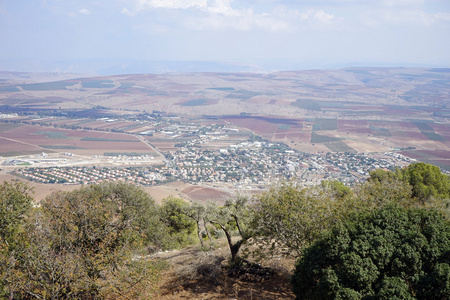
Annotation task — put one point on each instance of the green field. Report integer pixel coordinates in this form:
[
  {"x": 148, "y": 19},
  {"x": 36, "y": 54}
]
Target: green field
[
  {"x": 47, "y": 86},
  {"x": 195, "y": 102},
  {"x": 243, "y": 94},
  {"x": 317, "y": 138},
  {"x": 53, "y": 134},
  {"x": 98, "y": 84},
  {"x": 9, "y": 88},
  {"x": 222, "y": 89},
  {"x": 307, "y": 104},
  {"x": 433, "y": 136},
  {"x": 325, "y": 124},
  {"x": 428, "y": 131},
  {"x": 284, "y": 127},
  {"x": 339, "y": 146}
]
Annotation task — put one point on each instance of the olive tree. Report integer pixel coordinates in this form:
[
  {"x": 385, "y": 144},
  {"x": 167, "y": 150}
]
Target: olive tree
[
  {"x": 234, "y": 215},
  {"x": 287, "y": 218},
  {"x": 196, "y": 212}
]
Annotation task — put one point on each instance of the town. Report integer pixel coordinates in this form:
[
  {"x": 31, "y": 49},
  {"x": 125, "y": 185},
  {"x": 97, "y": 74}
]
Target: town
[
  {"x": 204, "y": 152},
  {"x": 251, "y": 165}
]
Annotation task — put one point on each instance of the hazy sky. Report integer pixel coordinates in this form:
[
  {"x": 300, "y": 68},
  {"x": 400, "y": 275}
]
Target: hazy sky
[{"x": 314, "y": 33}]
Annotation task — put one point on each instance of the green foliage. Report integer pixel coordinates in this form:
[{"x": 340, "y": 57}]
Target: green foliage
[
  {"x": 384, "y": 187},
  {"x": 179, "y": 226},
  {"x": 389, "y": 253},
  {"x": 234, "y": 215},
  {"x": 427, "y": 181},
  {"x": 196, "y": 212},
  {"x": 83, "y": 245},
  {"x": 15, "y": 202},
  {"x": 288, "y": 219}
]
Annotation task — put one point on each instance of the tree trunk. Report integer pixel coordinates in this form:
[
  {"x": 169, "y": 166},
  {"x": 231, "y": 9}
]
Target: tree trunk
[
  {"x": 207, "y": 233},
  {"x": 234, "y": 249},
  {"x": 199, "y": 234}
]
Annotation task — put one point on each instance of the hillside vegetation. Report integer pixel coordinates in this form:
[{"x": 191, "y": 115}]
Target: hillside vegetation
[{"x": 388, "y": 237}]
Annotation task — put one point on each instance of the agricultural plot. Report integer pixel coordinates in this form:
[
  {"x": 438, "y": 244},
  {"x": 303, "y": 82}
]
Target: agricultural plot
[
  {"x": 428, "y": 131},
  {"x": 198, "y": 102},
  {"x": 29, "y": 139},
  {"x": 164, "y": 145},
  {"x": 440, "y": 158},
  {"x": 8, "y": 126},
  {"x": 11, "y": 147},
  {"x": 48, "y": 86},
  {"x": 319, "y": 138},
  {"x": 395, "y": 110},
  {"x": 205, "y": 194},
  {"x": 339, "y": 146},
  {"x": 325, "y": 124},
  {"x": 442, "y": 129},
  {"x": 270, "y": 128},
  {"x": 362, "y": 109},
  {"x": 354, "y": 126},
  {"x": 380, "y": 131},
  {"x": 97, "y": 84}
]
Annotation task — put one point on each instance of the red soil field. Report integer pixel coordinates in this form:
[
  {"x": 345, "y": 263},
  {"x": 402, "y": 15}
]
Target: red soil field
[
  {"x": 164, "y": 145},
  {"x": 29, "y": 138},
  {"x": 267, "y": 127},
  {"x": 440, "y": 158},
  {"x": 354, "y": 126},
  {"x": 413, "y": 135},
  {"x": 8, "y": 146},
  {"x": 442, "y": 129},
  {"x": 436, "y": 153},
  {"x": 204, "y": 194},
  {"x": 397, "y": 125},
  {"x": 400, "y": 112}
]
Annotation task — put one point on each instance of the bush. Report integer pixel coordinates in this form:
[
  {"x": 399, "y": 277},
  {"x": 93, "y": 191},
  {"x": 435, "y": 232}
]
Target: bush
[{"x": 388, "y": 253}]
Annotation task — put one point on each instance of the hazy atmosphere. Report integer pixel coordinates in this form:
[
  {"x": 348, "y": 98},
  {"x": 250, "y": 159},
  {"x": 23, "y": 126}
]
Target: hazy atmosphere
[
  {"x": 224, "y": 149},
  {"x": 110, "y": 36}
]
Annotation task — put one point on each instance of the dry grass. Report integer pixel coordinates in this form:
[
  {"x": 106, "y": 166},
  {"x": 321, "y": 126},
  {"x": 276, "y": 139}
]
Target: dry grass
[{"x": 197, "y": 274}]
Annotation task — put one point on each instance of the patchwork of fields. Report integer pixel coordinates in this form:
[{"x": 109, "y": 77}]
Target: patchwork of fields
[{"x": 348, "y": 110}]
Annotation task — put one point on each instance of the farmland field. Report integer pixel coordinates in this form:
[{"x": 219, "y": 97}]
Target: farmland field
[
  {"x": 34, "y": 139},
  {"x": 355, "y": 109},
  {"x": 440, "y": 158}
]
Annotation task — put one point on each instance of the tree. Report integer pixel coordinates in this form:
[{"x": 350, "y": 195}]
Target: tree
[
  {"x": 287, "y": 218},
  {"x": 15, "y": 205},
  {"x": 427, "y": 181},
  {"x": 384, "y": 187},
  {"x": 388, "y": 253},
  {"x": 196, "y": 212},
  {"x": 179, "y": 225},
  {"x": 15, "y": 202},
  {"x": 423, "y": 183},
  {"x": 84, "y": 244},
  {"x": 136, "y": 209},
  {"x": 234, "y": 215}
]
